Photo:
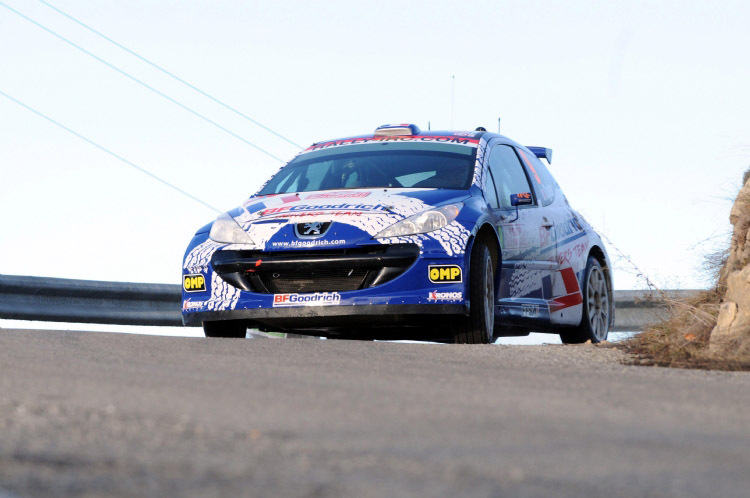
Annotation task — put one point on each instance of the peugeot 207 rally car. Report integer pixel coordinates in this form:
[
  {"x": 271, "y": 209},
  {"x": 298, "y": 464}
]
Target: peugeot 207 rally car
[{"x": 446, "y": 236}]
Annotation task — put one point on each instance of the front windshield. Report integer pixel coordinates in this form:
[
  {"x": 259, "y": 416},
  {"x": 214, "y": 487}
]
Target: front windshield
[{"x": 376, "y": 166}]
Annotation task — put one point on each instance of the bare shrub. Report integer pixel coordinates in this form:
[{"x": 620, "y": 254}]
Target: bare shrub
[{"x": 682, "y": 340}]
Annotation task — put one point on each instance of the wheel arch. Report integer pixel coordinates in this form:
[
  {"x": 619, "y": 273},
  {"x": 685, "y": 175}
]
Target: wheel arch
[
  {"x": 487, "y": 234},
  {"x": 599, "y": 254}
]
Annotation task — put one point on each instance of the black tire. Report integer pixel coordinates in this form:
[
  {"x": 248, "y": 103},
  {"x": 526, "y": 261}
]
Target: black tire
[
  {"x": 477, "y": 328},
  {"x": 232, "y": 329},
  {"x": 597, "y": 307}
]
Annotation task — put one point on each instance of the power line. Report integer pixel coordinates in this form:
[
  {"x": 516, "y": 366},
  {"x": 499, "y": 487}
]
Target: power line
[
  {"x": 101, "y": 147},
  {"x": 145, "y": 85},
  {"x": 168, "y": 73}
]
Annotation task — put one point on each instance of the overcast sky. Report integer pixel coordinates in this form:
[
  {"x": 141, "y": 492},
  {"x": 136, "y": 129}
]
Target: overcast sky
[{"x": 645, "y": 105}]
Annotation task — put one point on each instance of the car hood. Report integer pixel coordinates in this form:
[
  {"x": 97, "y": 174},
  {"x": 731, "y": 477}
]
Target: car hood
[{"x": 349, "y": 216}]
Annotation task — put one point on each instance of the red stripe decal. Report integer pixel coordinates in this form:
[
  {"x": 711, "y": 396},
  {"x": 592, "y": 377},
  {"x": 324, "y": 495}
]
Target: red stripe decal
[
  {"x": 570, "y": 280},
  {"x": 528, "y": 163},
  {"x": 290, "y": 198},
  {"x": 563, "y": 302}
]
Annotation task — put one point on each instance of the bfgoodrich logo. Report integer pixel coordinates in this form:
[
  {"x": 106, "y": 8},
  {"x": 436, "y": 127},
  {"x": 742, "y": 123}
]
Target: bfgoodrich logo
[{"x": 316, "y": 299}]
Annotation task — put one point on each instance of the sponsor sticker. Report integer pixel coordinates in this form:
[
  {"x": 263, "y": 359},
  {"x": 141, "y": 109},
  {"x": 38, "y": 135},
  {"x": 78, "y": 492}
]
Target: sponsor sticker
[
  {"x": 569, "y": 227},
  {"x": 309, "y": 243},
  {"x": 344, "y": 206},
  {"x": 194, "y": 283},
  {"x": 444, "y": 274},
  {"x": 522, "y": 199},
  {"x": 313, "y": 214},
  {"x": 191, "y": 305},
  {"x": 445, "y": 296},
  {"x": 338, "y": 195},
  {"x": 461, "y": 140},
  {"x": 511, "y": 236},
  {"x": 312, "y": 299}
]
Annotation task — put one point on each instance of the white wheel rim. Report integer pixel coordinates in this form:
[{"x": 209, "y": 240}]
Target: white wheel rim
[{"x": 597, "y": 300}]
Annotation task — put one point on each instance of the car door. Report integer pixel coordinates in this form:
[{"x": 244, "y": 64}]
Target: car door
[
  {"x": 569, "y": 245},
  {"x": 544, "y": 188},
  {"x": 525, "y": 268}
]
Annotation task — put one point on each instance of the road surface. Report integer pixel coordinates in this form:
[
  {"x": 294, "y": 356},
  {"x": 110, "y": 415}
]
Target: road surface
[{"x": 98, "y": 414}]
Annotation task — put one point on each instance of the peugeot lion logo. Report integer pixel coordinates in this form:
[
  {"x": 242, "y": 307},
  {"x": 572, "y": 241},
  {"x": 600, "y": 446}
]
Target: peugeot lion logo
[{"x": 311, "y": 230}]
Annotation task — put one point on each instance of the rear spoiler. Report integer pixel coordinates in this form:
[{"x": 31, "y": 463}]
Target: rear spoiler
[{"x": 542, "y": 153}]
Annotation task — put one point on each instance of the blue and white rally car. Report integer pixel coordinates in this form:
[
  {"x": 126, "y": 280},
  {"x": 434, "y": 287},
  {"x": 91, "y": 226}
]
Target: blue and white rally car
[{"x": 404, "y": 234}]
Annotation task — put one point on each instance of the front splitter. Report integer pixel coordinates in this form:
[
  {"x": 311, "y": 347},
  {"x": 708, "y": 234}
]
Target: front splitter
[{"x": 362, "y": 313}]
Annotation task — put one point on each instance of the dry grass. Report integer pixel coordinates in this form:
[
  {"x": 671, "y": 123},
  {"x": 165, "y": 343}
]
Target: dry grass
[{"x": 682, "y": 341}]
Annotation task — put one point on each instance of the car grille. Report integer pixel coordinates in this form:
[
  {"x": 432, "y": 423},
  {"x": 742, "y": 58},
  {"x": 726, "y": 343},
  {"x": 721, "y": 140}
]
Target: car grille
[
  {"x": 313, "y": 281},
  {"x": 314, "y": 271}
]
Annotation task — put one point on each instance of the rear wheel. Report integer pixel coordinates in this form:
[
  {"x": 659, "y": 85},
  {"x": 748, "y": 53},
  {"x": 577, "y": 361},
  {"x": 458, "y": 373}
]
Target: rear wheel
[
  {"x": 233, "y": 329},
  {"x": 477, "y": 328},
  {"x": 597, "y": 303}
]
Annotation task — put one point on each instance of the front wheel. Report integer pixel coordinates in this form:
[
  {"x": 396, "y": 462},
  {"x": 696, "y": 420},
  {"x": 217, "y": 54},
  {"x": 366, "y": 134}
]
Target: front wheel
[
  {"x": 477, "y": 328},
  {"x": 232, "y": 329},
  {"x": 597, "y": 306}
]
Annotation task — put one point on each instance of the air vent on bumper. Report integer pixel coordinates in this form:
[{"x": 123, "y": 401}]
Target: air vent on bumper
[{"x": 314, "y": 270}]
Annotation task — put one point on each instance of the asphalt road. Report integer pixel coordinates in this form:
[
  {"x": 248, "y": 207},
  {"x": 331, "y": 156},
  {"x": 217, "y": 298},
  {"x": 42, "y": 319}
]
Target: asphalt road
[{"x": 86, "y": 414}]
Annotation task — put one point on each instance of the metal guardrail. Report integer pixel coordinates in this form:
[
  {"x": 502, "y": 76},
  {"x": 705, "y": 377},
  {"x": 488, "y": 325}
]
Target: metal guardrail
[
  {"x": 122, "y": 303},
  {"x": 637, "y": 309},
  {"x": 89, "y": 301}
]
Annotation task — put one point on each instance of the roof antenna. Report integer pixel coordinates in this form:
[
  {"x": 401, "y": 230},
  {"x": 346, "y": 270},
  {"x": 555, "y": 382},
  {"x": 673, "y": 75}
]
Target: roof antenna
[
  {"x": 428, "y": 126},
  {"x": 498, "y": 125},
  {"x": 453, "y": 97}
]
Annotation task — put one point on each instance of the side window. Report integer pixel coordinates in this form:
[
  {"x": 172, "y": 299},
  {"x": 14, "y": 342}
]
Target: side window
[
  {"x": 301, "y": 179},
  {"x": 545, "y": 184},
  {"x": 290, "y": 182},
  {"x": 489, "y": 190},
  {"x": 508, "y": 174}
]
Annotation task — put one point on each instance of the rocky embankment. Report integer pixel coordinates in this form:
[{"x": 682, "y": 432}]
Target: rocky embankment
[
  {"x": 731, "y": 335},
  {"x": 712, "y": 329}
]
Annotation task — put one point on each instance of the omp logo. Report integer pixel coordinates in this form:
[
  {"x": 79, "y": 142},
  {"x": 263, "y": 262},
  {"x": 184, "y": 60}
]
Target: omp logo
[
  {"x": 315, "y": 299},
  {"x": 444, "y": 274},
  {"x": 445, "y": 296},
  {"x": 194, "y": 283}
]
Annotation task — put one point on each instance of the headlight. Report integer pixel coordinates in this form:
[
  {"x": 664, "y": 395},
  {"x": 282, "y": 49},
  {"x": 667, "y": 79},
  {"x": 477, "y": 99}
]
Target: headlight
[
  {"x": 226, "y": 230},
  {"x": 424, "y": 222}
]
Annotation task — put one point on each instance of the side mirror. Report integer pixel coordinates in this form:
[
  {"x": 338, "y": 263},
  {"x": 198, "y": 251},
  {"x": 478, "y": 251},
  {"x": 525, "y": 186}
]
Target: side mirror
[{"x": 521, "y": 199}]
